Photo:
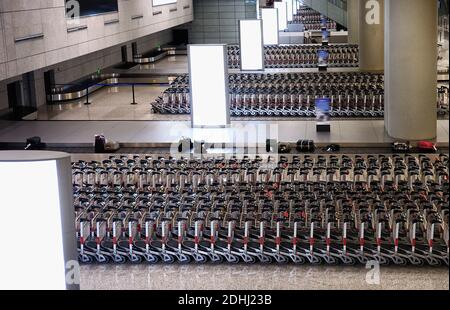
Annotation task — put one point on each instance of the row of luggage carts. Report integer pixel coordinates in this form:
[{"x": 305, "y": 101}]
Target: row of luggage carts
[
  {"x": 352, "y": 94},
  {"x": 301, "y": 56},
  {"x": 312, "y": 20},
  {"x": 333, "y": 209}
]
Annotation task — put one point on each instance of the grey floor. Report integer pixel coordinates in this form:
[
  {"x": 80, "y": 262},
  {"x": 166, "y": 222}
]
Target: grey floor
[
  {"x": 81, "y": 133},
  {"x": 259, "y": 277},
  {"x": 109, "y": 104},
  {"x": 112, "y": 114}
]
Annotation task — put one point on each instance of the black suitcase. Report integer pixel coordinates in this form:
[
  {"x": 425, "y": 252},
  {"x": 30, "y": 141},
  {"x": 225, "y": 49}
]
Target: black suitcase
[{"x": 306, "y": 146}]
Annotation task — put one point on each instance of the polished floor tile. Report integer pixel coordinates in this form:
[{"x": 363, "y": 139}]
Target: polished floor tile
[
  {"x": 75, "y": 132},
  {"x": 358, "y": 132},
  {"x": 258, "y": 277},
  {"x": 107, "y": 104},
  {"x": 324, "y": 137}
]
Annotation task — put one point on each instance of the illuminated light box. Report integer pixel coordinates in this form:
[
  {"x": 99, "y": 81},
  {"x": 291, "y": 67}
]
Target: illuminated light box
[
  {"x": 38, "y": 226},
  {"x": 251, "y": 44},
  {"x": 270, "y": 26},
  {"x": 163, "y": 2},
  {"x": 208, "y": 79},
  {"x": 282, "y": 15},
  {"x": 290, "y": 10},
  {"x": 257, "y": 10},
  {"x": 296, "y": 6}
]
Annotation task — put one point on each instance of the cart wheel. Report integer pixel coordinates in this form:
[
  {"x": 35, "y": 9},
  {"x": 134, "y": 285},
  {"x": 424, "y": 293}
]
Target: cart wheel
[
  {"x": 215, "y": 259},
  {"x": 433, "y": 261},
  {"x": 280, "y": 259},
  {"x": 381, "y": 260},
  {"x": 135, "y": 259},
  {"x": 399, "y": 260},
  {"x": 314, "y": 259},
  {"x": 247, "y": 259},
  {"x": 85, "y": 259},
  {"x": 199, "y": 259},
  {"x": 297, "y": 259},
  {"x": 265, "y": 259},
  {"x": 183, "y": 258},
  {"x": 119, "y": 259},
  {"x": 414, "y": 260},
  {"x": 167, "y": 259},
  {"x": 232, "y": 259},
  {"x": 330, "y": 260},
  {"x": 151, "y": 259},
  {"x": 102, "y": 258}
]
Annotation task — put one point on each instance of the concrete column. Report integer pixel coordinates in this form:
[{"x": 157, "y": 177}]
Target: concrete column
[
  {"x": 371, "y": 35},
  {"x": 411, "y": 69},
  {"x": 353, "y": 21}
]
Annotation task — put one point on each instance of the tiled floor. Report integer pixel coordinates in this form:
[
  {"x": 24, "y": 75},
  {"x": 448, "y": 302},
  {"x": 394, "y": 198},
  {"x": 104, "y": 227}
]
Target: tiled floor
[
  {"x": 112, "y": 103},
  {"x": 172, "y": 64},
  {"x": 120, "y": 121},
  {"x": 258, "y": 277},
  {"x": 364, "y": 132}
]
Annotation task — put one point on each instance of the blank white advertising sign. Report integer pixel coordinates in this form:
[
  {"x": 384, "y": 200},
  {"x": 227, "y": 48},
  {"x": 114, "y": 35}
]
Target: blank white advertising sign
[
  {"x": 257, "y": 10},
  {"x": 290, "y": 10},
  {"x": 270, "y": 26},
  {"x": 250, "y": 35},
  {"x": 208, "y": 78},
  {"x": 31, "y": 227},
  {"x": 282, "y": 15}
]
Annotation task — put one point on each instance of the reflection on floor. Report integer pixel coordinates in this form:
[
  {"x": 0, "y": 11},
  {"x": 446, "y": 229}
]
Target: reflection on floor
[
  {"x": 113, "y": 103},
  {"x": 172, "y": 64},
  {"x": 259, "y": 277}
]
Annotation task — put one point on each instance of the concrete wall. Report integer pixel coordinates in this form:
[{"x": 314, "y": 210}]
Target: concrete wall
[
  {"x": 76, "y": 68},
  {"x": 3, "y": 96},
  {"x": 22, "y": 18},
  {"x": 68, "y": 71}
]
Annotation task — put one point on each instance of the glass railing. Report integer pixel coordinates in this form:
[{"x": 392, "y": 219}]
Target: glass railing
[
  {"x": 342, "y": 4},
  {"x": 333, "y": 9}
]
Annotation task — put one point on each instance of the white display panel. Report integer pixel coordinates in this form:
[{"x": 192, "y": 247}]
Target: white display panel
[
  {"x": 282, "y": 15},
  {"x": 251, "y": 44},
  {"x": 257, "y": 10},
  {"x": 163, "y": 2},
  {"x": 208, "y": 78},
  {"x": 31, "y": 231},
  {"x": 290, "y": 10},
  {"x": 270, "y": 26}
]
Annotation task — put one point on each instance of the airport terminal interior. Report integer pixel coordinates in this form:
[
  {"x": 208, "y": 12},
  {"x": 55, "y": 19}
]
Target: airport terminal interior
[{"x": 229, "y": 144}]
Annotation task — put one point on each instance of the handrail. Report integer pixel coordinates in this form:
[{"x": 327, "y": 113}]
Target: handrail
[{"x": 87, "y": 89}]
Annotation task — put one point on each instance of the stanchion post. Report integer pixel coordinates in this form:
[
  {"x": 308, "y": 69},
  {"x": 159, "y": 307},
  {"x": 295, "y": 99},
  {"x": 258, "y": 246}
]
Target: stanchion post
[
  {"x": 134, "y": 97},
  {"x": 87, "y": 96}
]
